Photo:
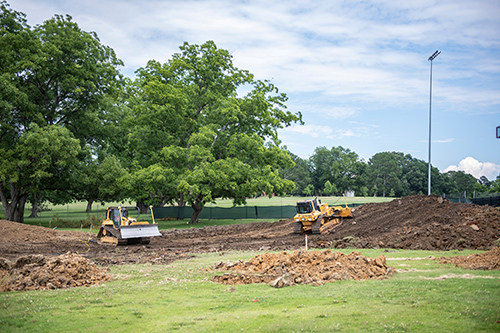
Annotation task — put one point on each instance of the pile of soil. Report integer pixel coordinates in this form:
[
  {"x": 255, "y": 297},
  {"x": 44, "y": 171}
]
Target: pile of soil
[
  {"x": 19, "y": 239},
  {"x": 37, "y": 272},
  {"x": 302, "y": 267},
  {"x": 421, "y": 222},
  {"x": 489, "y": 260}
]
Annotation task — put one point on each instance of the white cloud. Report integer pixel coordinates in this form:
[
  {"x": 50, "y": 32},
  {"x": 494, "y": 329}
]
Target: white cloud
[
  {"x": 478, "y": 169},
  {"x": 339, "y": 62},
  {"x": 322, "y": 131},
  {"x": 315, "y": 131},
  {"x": 448, "y": 140},
  {"x": 354, "y": 51}
]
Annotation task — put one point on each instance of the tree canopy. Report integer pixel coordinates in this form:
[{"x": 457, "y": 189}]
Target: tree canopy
[
  {"x": 193, "y": 130},
  {"x": 55, "y": 82}
]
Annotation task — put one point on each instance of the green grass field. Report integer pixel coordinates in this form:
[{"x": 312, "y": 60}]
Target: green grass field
[{"x": 423, "y": 296}]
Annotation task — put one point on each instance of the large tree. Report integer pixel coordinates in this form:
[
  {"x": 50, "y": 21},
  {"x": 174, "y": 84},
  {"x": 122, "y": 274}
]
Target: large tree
[
  {"x": 299, "y": 173},
  {"x": 460, "y": 182},
  {"x": 52, "y": 77},
  {"x": 95, "y": 180},
  {"x": 384, "y": 173},
  {"x": 338, "y": 165},
  {"x": 202, "y": 136},
  {"x": 495, "y": 185},
  {"x": 413, "y": 177},
  {"x": 39, "y": 156}
]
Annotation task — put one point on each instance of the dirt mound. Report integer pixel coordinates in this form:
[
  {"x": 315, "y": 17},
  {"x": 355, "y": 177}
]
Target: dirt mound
[
  {"x": 20, "y": 239},
  {"x": 302, "y": 267},
  {"x": 21, "y": 232},
  {"x": 419, "y": 222},
  {"x": 489, "y": 260},
  {"x": 37, "y": 272}
]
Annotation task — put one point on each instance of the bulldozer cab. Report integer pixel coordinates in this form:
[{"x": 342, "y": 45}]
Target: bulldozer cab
[
  {"x": 306, "y": 207},
  {"x": 120, "y": 219},
  {"x": 114, "y": 215}
]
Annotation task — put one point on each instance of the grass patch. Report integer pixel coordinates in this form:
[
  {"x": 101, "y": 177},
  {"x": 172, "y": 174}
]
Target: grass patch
[{"x": 180, "y": 297}]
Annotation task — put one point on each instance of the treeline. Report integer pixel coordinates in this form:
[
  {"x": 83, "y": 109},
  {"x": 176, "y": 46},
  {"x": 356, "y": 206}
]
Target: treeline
[
  {"x": 73, "y": 128},
  {"x": 387, "y": 174}
]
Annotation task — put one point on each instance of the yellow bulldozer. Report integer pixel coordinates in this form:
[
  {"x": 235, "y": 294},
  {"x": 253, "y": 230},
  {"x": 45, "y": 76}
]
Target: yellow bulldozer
[
  {"x": 120, "y": 229},
  {"x": 316, "y": 217}
]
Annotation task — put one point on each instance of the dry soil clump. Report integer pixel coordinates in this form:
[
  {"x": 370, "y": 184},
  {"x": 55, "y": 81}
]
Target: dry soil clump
[
  {"x": 302, "y": 267},
  {"x": 37, "y": 272},
  {"x": 487, "y": 261}
]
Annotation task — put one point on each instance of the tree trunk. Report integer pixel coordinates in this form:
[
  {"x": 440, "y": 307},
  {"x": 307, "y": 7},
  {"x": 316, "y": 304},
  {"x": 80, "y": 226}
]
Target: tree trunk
[
  {"x": 143, "y": 209},
  {"x": 89, "y": 206},
  {"x": 180, "y": 200},
  {"x": 197, "y": 208},
  {"x": 20, "y": 211},
  {"x": 34, "y": 203},
  {"x": 14, "y": 211}
]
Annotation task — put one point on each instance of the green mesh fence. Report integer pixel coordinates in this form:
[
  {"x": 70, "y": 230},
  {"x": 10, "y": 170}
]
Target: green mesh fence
[
  {"x": 483, "y": 198},
  {"x": 493, "y": 201},
  {"x": 235, "y": 213}
]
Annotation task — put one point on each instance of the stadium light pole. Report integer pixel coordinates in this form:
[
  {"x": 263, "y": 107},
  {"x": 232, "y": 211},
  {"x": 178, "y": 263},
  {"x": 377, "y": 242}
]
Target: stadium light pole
[{"x": 431, "y": 58}]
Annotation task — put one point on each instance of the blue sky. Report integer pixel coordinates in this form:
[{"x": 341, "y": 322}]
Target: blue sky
[{"x": 358, "y": 71}]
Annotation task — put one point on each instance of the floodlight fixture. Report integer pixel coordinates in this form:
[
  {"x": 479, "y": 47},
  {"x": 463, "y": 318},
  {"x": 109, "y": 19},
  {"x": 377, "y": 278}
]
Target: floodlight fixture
[
  {"x": 434, "y": 55},
  {"x": 431, "y": 58},
  {"x": 498, "y": 132}
]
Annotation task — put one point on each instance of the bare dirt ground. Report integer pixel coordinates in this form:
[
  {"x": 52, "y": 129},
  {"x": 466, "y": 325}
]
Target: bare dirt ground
[{"x": 415, "y": 222}]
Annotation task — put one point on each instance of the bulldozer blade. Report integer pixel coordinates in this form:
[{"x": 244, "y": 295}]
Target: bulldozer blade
[
  {"x": 109, "y": 240},
  {"x": 139, "y": 231}
]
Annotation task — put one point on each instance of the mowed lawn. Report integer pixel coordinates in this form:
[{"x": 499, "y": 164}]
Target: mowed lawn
[{"x": 423, "y": 296}]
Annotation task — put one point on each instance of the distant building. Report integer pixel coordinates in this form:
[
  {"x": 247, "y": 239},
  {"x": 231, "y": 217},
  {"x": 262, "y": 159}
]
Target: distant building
[{"x": 349, "y": 193}]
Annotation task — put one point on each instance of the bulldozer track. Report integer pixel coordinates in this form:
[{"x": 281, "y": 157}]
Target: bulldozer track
[
  {"x": 316, "y": 227},
  {"x": 297, "y": 227},
  {"x": 332, "y": 224}
]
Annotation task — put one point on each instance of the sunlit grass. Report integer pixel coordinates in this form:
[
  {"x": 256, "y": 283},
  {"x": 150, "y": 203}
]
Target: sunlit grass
[{"x": 180, "y": 297}]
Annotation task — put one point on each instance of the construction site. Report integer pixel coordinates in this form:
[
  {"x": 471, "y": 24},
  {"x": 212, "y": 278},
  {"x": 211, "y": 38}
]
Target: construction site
[{"x": 33, "y": 257}]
